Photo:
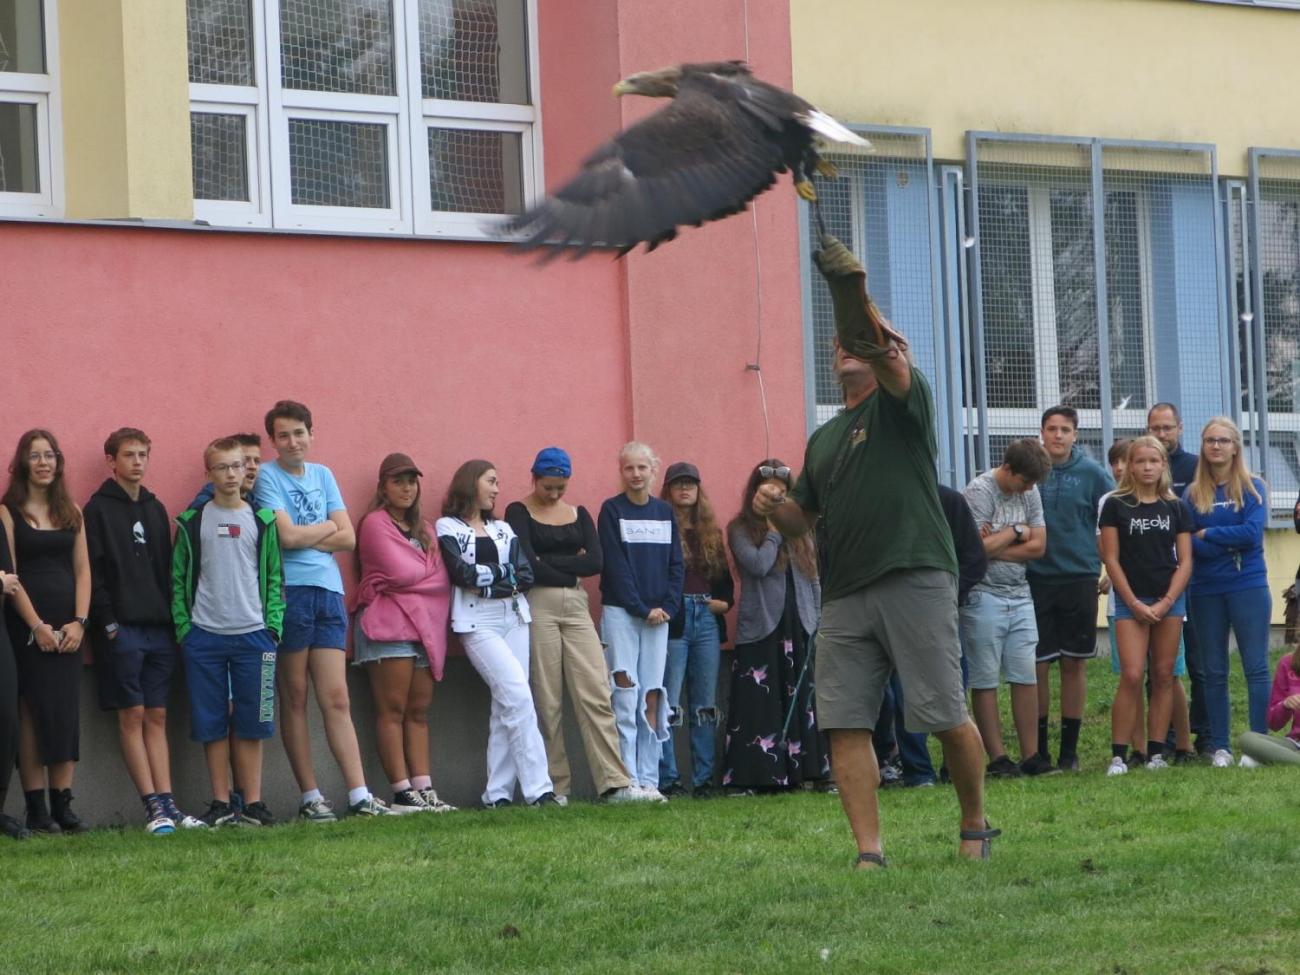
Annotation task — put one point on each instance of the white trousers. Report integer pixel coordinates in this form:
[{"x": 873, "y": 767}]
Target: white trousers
[{"x": 498, "y": 649}]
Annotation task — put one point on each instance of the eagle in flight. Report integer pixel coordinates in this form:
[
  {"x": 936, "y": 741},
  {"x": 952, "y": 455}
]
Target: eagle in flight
[{"x": 720, "y": 142}]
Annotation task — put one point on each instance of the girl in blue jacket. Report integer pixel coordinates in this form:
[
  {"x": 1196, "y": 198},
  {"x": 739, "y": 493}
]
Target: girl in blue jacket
[{"x": 1229, "y": 586}]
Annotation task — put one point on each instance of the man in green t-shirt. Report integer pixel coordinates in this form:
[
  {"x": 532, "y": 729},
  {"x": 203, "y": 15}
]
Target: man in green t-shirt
[{"x": 889, "y": 589}]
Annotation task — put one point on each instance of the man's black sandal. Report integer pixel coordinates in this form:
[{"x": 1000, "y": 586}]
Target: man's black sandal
[
  {"x": 875, "y": 859},
  {"x": 983, "y": 835}
]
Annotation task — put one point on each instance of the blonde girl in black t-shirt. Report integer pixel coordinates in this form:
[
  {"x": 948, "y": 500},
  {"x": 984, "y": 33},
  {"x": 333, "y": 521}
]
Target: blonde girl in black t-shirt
[{"x": 1146, "y": 544}]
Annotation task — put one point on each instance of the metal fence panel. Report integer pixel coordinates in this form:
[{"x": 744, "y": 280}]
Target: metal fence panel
[
  {"x": 1271, "y": 323},
  {"x": 1096, "y": 282}
]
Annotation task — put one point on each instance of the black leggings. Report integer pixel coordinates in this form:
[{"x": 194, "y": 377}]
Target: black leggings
[{"x": 8, "y": 714}]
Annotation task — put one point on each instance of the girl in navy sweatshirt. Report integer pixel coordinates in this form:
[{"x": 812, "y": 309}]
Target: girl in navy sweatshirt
[
  {"x": 641, "y": 588},
  {"x": 1229, "y": 586}
]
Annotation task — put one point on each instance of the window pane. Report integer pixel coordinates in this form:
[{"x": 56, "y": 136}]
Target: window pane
[
  {"x": 1075, "y": 292},
  {"x": 18, "y": 155},
  {"x": 220, "y": 41},
  {"x": 1008, "y": 297},
  {"x": 220, "y": 150},
  {"x": 474, "y": 50},
  {"x": 338, "y": 164},
  {"x": 1279, "y": 256},
  {"x": 472, "y": 171},
  {"x": 337, "y": 45},
  {"x": 22, "y": 36},
  {"x": 1128, "y": 387}
]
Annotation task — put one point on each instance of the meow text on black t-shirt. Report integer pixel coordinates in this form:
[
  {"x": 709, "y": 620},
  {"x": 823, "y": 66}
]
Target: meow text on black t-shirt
[{"x": 1147, "y": 536}]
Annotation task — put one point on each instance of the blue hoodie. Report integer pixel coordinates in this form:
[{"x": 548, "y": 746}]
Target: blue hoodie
[
  {"x": 643, "y": 557},
  {"x": 1231, "y": 556},
  {"x": 1070, "y": 498}
]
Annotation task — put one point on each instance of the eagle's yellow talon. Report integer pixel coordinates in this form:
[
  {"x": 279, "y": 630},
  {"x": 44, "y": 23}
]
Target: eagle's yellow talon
[
  {"x": 827, "y": 169},
  {"x": 805, "y": 190}
]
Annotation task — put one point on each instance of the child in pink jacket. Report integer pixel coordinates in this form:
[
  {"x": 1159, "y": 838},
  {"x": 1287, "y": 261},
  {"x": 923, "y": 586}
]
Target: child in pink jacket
[{"x": 1283, "y": 706}]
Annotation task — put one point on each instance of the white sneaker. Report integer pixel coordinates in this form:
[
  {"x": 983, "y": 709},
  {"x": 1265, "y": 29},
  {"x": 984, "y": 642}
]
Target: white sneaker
[
  {"x": 1116, "y": 767},
  {"x": 1247, "y": 762},
  {"x": 653, "y": 795},
  {"x": 1157, "y": 762},
  {"x": 622, "y": 794},
  {"x": 1222, "y": 759},
  {"x": 561, "y": 801},
  {"x": 160, "y": 826}
]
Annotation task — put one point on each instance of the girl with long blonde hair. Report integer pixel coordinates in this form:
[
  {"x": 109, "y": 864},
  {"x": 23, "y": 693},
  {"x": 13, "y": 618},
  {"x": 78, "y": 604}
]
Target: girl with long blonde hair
[
  {"x": 1229, "y": 588},
  {"x": 1146, "y": 547}
]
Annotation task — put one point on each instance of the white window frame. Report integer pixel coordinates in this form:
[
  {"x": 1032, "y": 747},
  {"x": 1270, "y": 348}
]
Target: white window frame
[
  {"x": 42, "y": 91},
  {"x": 1047, "y": 375},
  {"x": 407, "y": 116},
  {"x": 249, "y": 101}
]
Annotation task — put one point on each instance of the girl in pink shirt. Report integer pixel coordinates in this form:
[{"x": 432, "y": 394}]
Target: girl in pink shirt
[
  {"x": 1283, "y": 707},
  {"x": 402, "y": 605}
]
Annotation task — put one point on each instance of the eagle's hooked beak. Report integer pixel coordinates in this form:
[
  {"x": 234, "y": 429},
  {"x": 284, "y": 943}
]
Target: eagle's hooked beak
[{"x": 624, "y": 88}]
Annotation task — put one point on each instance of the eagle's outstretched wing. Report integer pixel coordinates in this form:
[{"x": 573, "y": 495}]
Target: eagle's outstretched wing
[{"x": 704, "y": 156}]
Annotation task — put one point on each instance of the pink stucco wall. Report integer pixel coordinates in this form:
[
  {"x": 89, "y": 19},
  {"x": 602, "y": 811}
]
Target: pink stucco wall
[{"x": 444, "y": 350}]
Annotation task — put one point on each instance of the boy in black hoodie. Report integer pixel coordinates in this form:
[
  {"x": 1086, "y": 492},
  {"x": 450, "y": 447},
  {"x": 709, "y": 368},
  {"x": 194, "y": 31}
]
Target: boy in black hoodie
[{"x": 129, "y": 537}]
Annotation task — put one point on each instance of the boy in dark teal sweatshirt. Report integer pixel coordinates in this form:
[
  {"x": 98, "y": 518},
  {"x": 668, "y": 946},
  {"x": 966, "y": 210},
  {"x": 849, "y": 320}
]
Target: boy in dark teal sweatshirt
[{"x": 1063, "y": 582}]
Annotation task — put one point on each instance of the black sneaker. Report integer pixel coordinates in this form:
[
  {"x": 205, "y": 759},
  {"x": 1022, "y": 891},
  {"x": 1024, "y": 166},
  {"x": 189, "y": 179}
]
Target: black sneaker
[
  {"x": 1003, "y": 768},
  {"x": 220, "y": 814},
  {"x": 13, "y": 829},
  {"x": 1037, "y": 765},
  {"x": 39, "y": 819},
  {"x": 704, "y": 792},
  {"x": 1186, "y": 758},
  {"x": 255, "y": 814},
  {"x": 1068, "y": 763},
  {"x": 545, "y": 799},
  {"x": 674, "y": 790},
  {"x": 1137, "y": 758},
  {"x": 496, "y": 804}
]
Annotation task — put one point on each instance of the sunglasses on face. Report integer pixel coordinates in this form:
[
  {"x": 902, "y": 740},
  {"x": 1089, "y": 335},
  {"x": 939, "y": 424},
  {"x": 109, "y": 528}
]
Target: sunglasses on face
[{"x": 766, "y": 473}]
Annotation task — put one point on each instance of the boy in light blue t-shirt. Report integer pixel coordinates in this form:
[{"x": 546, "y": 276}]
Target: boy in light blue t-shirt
[{"x": 313, "y": 523}]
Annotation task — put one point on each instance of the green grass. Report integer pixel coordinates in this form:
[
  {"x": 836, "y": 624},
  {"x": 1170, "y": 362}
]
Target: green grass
[{"x": 1190, "y": 870}]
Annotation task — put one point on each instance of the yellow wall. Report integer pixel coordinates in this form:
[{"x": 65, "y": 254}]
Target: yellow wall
[
  {"x": 126, "y": 132},
  {"x": 1170, "y": 70}
]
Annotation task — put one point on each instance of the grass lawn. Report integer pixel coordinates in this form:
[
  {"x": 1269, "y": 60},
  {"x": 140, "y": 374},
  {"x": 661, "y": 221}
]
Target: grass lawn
[{"x": 1188, "y": 870}]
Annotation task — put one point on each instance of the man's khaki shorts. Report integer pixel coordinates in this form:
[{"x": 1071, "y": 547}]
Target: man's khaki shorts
[{"x": 906, "y": 620}]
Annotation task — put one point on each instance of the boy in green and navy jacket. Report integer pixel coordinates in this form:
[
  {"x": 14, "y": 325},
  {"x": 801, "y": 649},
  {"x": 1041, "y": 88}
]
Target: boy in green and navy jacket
[{"x": 228, "y": 609}]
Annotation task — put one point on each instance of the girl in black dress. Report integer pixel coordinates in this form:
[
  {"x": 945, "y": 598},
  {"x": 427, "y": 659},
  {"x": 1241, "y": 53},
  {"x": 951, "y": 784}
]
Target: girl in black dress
[
  {"x": 46, "y": 619},
  {"x": 780, "y": 603}
]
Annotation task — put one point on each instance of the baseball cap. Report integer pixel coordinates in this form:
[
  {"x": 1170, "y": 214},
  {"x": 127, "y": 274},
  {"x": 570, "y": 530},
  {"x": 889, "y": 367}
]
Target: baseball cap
[
  {"x": 395, "y": 464},
  {"x": 552, "y": 462},
  {"x": 680, "y": 471}
]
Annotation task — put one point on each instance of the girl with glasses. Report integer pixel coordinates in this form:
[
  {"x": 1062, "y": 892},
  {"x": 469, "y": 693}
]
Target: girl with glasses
[
  {"x": 780, "y": 605},
  {"x": 1229, "y": 588}
]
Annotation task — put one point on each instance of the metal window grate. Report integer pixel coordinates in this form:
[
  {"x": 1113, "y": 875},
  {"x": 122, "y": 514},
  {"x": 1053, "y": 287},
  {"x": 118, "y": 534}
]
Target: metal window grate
[
  {"x": 474, "y": 50},
  {"x": 880, "y": 207},
  {"x": 19, "y": 155},
  {"x": 1273, "y": 331},
  {"x": 476, "y": 171},
  {"x": 22, "y": 37},
  {"x": 337, "y": 45},
  {"x": 341, "y": 164},
  {"x": 1091, "y": 252},
  {"x": 220, "y": 37},
  {"x": 219, "y": 146}
]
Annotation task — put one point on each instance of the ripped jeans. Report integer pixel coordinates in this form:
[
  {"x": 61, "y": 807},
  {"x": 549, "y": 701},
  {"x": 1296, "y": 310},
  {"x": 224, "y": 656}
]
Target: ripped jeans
[
  {"x": 693, "y": 657},
  {"x": 638, "y": 651}
]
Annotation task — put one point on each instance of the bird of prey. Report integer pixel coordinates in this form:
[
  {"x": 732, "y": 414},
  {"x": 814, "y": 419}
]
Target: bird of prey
[{"x": 720, "y": 142}]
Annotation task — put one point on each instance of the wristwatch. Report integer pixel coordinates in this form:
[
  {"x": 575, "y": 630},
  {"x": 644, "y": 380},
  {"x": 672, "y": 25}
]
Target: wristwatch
[
  {"x": 83, "y": 620},
  {"x": 1020, "y": 532},
  {"x": 110, "y": 630}
]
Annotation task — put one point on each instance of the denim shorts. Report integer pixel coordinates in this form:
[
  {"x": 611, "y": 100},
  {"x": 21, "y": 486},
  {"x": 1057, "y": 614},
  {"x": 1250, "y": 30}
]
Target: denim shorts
[
  {"x": 313, "y": 617},
  {"x": 1179, "y": 608},
  {"x": 1000, "y": 635},
  {"x": 368, "y": 651}
]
